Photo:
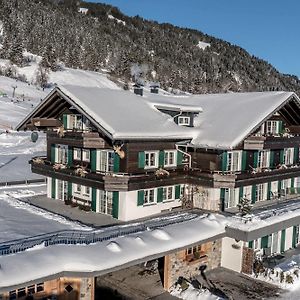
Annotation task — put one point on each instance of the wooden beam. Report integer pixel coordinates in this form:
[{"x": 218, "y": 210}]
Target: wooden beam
[{"x": 45, "y": 122}]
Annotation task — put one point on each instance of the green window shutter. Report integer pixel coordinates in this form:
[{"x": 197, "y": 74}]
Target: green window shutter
[
  {"x": 244, "y": 160},
  {"x": 115, "y": 206},
  {"x": 177, "y": 191},
  {"x": 70, "y": 191},
  {"x": 222, "y": 199},
  {"x": 292, "y": 185},
  {"x": 65, "y": 122},
  {"x": 281, "y": 156},
  {"x": 264, "y": 242},
  {"x": 53, "y": 188},
  {"x": 269, "y": 191},
  {"x": 140, "y": 198},
  {"x": 255, "y": 159},
  {"x": 280, "y": 127},
  {"x": 93, "y": 160},
  {"x": 224, "y": 161},
  {"x": 295, "y": 238},
  {"x": 179, "y": 158},
  {"x": 141, "y": 160},
  {"x": 282, "y": 243},
  {"x": 279, "y": 186},
  {"x": 161, "y": 159},
  {"x": 250, "y": 244},
  {"x": 253, "y": 194},
  {"x": 116, "y": 163},
  {"x": 296, "y": 155},
  {"x": 70, "y": 156},
  {"x": 241, "y": 193},
  {"x": 94, "y": 199},
  {"x": 53, "y": 154},
  {"x": 271, "y": 159},
  {"x": 159, "y": 195}
]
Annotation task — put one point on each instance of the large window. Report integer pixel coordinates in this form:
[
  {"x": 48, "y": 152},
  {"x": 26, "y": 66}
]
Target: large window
[
  {"x": 263, "y": 159},
  {"x": 234, "y": 161},
  {"x": 170, "y": 158},
  {"x": 288, "y": 156},
  {"x": 168, "y": 193},
  {"x": 272, "y": 127},
  {"x": 106, "y": 202},
  {"x": 261, "y": 192},
  {"x": 62, "y": 154},
  {"x": 105, "y": 161},
  {"x": 151, "y": 159},
  {"x": 149, "y": 196},
  {"x": 231, "y": 197}
]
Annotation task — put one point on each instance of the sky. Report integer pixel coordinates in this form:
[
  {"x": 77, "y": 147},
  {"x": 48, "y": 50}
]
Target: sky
[{"x": 268, "y": 29}]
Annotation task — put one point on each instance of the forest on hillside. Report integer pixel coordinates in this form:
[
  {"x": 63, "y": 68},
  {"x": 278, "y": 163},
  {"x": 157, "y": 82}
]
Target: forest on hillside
[{"x": 131, "y": 47}]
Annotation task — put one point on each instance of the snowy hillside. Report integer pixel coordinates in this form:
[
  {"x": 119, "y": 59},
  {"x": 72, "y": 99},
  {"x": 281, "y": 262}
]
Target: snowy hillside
[{"x": 16, "y": 148}]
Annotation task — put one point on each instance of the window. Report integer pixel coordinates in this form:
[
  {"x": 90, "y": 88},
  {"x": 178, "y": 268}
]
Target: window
[
  {"x": 21, "y": 292},
  {"x": 288, "y": 156},
  {"x": 86, "y": 155},
  {"x": 194, "y": 253},
  {"x": 231, "y": 197},
  {"x": 263, "y": 159},
  {"x": 78, "y": 188},
  {"x": 87, "y": 190},
  {"x": 77, "y": 153},
  {"x": 106, "y": 202},
  {"x": 40, "y": 287},
  {"x": 260, "y": 193},
  {"x": 105, "y": 161},
  {"x": 183, "y": 121},
  {"x": 272, "y": 127},
  {"x": 31, "y": 289},
  {"x": 149, "y": 196},
  {"x": 234, "y": 161},
  {"x": 168, "y": 193},
  {"x": 170, "y": 158},
  {"x": 151, "y": 159}
]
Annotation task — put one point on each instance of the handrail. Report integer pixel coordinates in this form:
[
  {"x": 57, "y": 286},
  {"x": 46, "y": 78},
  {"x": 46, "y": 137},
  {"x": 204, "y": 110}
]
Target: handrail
[{"x": 74, "y": 237}]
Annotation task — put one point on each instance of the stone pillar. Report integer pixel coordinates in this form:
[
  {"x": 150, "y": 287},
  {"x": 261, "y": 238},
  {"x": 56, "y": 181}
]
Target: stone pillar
[{"x": 247, "y": 260}]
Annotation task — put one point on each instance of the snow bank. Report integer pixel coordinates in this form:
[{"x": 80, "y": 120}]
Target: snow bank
[{"x": 203, "y": 45}]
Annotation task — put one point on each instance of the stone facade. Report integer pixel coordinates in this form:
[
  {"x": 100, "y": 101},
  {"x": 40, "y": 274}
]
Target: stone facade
[
  {"x": 206, "y": 198},
  {"x": 61, "y": 288},
  {"x": 247, "y": 260},
  {"x": 181, "y": 264}
]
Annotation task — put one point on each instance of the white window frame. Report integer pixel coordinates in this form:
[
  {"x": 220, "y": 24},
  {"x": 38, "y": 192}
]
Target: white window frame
[
  {"x": 261, "y": 192},
  {"x": 148, "y": 159},
  {"x": 184, "y": 120},
  {"x": 87, "y": 191},
  {"x": 288, "y": 156},
  {"x": 168, "y": 193},
  {"x": 77, "y": 153},
  {"x": 167, "y": 162},
  {"x": 231, "y": 197},
  {"x": 86, "y": 155},
  {"x": 231, "y": 158},
  {"x": 263, "y": 160},
  {"x": 148, "y": 200},
  {"x": 272, "y": 127}
]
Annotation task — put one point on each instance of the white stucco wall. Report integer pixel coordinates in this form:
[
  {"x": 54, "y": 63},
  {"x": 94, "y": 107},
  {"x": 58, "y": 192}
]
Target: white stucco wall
[
  {"x": 288, "y": 238},
  {"x": 129, "y": 210},
  {"x": 231, "y": 258},
  {"x": 49, "y": 187}
]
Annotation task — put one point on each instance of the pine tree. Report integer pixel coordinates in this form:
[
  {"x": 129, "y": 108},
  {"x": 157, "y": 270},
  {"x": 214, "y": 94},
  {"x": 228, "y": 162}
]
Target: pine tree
[
  {"x": 49, "y": 59},
  {"x": 15, "y": 55},
  {"x": 42, "y": 76},
  {"x": 244, "y": 206}
]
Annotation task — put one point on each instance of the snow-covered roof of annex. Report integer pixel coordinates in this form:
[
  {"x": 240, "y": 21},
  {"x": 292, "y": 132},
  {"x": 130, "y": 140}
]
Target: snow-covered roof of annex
[{"x": 222, "y": 121}]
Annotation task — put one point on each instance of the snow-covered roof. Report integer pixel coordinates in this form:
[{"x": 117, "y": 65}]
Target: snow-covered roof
[
  {"x": 222, "y": 121},
  {"x": 227, "y": 119}
]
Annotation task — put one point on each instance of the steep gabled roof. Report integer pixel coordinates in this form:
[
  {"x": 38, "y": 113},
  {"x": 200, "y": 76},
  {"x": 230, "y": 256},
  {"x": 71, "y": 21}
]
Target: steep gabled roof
[
  {"x": 223, "y": 122},
  {"x": 227, "y": 119},
  {"x": 119, "y": 114}
]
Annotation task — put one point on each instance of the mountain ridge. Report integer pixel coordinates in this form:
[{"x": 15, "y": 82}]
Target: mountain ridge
[{"x": 131, "y": 47}]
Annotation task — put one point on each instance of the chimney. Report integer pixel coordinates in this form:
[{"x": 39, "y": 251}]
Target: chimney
[
  {"x": 138, "y": 89},
  {"x": 154, "y": 88}
]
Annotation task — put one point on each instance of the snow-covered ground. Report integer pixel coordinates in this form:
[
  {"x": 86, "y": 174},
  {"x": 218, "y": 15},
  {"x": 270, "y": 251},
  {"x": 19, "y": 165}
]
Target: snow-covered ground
[
  {"x": 21, "y": 220},
  {"x": 203, "y": 45}
]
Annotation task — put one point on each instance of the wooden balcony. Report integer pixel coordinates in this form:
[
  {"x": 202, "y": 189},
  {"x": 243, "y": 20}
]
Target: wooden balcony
[
  {"x": 271, "y": 142},
  {"x": 84, "y": 139}
]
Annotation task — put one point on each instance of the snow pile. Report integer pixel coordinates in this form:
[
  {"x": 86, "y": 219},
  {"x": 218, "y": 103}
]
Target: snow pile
[
  {"x": 192, "y": 293},
  {"x": 203, "y": 45},
  {"x": 117, "y": 20},
  {"x": 160, "y": 234},
  {"x": 114, "y": 247}
]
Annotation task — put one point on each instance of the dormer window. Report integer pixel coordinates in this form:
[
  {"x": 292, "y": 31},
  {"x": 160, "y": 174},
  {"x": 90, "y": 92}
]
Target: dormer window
[
  {"x": 184, "y": 121},
  {"x": 272, "y": 127}
]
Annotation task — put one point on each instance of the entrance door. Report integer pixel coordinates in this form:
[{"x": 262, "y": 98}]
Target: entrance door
[
  {"x": 105, "y": 202},
  {"x": 62, "y": 190}
]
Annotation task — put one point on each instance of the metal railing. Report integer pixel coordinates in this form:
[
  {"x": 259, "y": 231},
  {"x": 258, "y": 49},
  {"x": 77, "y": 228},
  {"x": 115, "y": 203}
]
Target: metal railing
[{"x": 73, "y": 237}]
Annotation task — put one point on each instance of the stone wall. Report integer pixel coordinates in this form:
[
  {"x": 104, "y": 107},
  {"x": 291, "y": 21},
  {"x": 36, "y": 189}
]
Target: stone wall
[
  {"x": 178, "y": 264},
  {"x": 206, "y": 198},
  {"x": 247, "y": 260}
]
